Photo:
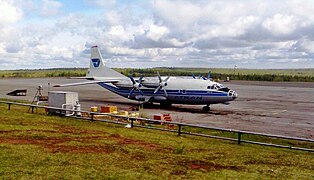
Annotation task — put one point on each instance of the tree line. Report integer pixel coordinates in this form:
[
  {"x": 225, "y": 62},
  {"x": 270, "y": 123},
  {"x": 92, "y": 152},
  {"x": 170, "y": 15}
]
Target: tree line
[{"x": 148, "y": 72}]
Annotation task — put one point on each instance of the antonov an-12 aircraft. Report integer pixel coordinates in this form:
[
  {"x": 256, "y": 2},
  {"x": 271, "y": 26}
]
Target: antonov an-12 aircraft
[{"x": 164, "y": 90}]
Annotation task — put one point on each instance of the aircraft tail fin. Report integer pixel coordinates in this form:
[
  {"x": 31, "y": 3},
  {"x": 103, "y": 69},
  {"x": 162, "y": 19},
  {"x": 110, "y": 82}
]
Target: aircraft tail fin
[{"x": 97, "y": 68}]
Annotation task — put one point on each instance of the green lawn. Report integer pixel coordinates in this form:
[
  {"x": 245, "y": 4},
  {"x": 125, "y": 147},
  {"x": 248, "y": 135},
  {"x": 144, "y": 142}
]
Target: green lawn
[
  {"x": 36, "y": 146},
  {"x": 43, "y": 73}
]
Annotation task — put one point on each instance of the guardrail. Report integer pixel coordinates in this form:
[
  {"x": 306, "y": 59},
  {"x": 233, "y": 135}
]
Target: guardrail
[{"x": 179, "y": 129}]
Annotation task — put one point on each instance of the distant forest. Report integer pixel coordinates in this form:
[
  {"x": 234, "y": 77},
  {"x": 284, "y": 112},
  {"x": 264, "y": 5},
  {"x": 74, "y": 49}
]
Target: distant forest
[{"x": 288, "y": 75}]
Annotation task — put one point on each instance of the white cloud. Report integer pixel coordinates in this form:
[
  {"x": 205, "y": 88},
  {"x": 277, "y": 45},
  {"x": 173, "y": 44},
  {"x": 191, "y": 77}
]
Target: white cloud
[
  {"x": 113, "y": 18},
  {"x": 177, "y": 14},
  {"x": 280, "y": 24},
  {"x": 156, "y": 32},
  {"x": 194, "y": 33},
  {"x": 303, "y": 45},
  {"x": 49, "y": 7},
  {"x": 9, "y": 13},
  {"x": 102, "y": 3}
]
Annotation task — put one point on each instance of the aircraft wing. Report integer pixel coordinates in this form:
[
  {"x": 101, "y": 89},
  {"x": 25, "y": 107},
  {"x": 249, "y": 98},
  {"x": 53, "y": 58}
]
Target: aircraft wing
[
  {"x": 86, "y": 82},
  {"x": 80, "y": 77},
  {"x": 90, "y": 78}
]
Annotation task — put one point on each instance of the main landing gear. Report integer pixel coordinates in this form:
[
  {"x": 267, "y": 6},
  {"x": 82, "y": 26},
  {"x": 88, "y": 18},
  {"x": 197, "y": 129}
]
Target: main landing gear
[
  {"x": 206, "y": 108},
  {"x": 147, "y": 104},
  {"x": 165, "y": 104}
]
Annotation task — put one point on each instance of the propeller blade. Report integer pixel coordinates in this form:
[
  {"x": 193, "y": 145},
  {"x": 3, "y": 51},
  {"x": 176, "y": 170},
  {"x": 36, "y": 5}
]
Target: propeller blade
[
  {"x": 131, "y": 92},
  {"x": 133, "y": 81},
  {"x": 167, "y": 79},
  {"x": 157, "y": 89},
  {"x": 166, "y": 92},
  {"x": 193, "y": 76},
  {"x": 141, "y": 92},
  {"x": 208, "y": 75},
  {"x": 160, "y": 80},
  {"x": 140, "y": 79},
  {"x": 199, "y": 76}
]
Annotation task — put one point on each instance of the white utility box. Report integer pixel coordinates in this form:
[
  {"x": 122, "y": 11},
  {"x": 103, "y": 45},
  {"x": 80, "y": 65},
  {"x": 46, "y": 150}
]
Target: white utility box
[{"x": 64, "y": 100}]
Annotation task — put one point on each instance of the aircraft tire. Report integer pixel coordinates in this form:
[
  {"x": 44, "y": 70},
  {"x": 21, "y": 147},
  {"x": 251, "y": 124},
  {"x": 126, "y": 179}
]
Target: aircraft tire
[
  {"x": 165, "y": 104},
  {"x": 147, "y": 104},
  {"x": 206, "y": 108}
]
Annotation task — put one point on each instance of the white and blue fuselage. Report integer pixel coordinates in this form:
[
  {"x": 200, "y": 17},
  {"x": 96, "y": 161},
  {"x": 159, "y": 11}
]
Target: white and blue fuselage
[{"x": 180, "y": 90}]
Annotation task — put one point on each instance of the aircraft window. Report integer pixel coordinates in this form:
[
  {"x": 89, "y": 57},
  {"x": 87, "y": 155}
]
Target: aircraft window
[
  {"x": 225, "y": 89},
  {"x": 209, "y": 87},
  {"x": 183, "y": 91}
]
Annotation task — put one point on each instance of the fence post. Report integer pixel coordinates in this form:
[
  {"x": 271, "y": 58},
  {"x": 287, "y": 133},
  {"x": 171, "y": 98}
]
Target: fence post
[
  {"x": 179, "y": 130},
  {"x": 9, "y": 108},
  {"x": 132, "y": 122},
  {"x": 92, "y": 114},
  {"x": 239, "y": 137}
]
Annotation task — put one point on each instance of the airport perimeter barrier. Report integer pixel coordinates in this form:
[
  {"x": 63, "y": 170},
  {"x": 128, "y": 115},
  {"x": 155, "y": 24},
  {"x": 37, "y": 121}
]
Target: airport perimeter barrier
[{"x": 179, "y": 125}]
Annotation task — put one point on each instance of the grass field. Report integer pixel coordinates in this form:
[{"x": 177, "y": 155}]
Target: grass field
[
  {"x": 42, "y": 73},
  {"x": 38, "y": 146}
]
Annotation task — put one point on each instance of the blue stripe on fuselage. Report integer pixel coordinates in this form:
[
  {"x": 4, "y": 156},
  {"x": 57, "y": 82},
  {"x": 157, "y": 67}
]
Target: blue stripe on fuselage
[{"x": 150, "y": 92}]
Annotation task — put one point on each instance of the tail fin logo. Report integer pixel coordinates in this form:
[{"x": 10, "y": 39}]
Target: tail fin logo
[{"x": 96, "y": 62}]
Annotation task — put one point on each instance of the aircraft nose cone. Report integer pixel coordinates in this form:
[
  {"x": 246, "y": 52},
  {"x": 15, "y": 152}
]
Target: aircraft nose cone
[{"x": 234, "y": 95}]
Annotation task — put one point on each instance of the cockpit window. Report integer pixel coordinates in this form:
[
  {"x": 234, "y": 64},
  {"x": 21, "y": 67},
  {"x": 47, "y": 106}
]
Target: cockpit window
[
  {"x": 215, "y": 86},
  {"x": 225, "y": 89}
]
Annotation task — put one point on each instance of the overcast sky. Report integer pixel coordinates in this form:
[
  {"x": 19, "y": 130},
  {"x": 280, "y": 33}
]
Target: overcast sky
[{"x": 139, "y": 33}]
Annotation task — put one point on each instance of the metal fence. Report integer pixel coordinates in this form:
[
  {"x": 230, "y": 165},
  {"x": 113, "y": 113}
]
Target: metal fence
[{"x": 178, "y": 127}]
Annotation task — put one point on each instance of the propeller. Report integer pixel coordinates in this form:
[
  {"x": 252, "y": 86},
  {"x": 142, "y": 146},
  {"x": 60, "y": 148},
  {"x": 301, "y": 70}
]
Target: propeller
[
  {"x": 136, "y": 85},
  {"x": 162, "y": 84}
]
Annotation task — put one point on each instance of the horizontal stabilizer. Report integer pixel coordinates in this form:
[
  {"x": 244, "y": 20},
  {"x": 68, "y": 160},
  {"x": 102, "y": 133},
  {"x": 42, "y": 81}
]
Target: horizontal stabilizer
[{"x": 85, "y": 83}]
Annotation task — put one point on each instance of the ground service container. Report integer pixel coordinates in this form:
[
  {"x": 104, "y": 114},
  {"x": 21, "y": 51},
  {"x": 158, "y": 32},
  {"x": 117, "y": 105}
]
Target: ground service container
[{"x": 62, "y": 99}]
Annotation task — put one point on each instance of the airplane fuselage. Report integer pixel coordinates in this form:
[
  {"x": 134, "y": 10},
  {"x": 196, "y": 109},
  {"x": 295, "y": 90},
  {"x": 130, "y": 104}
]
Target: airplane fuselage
[{"x": 180, "y": 90}]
